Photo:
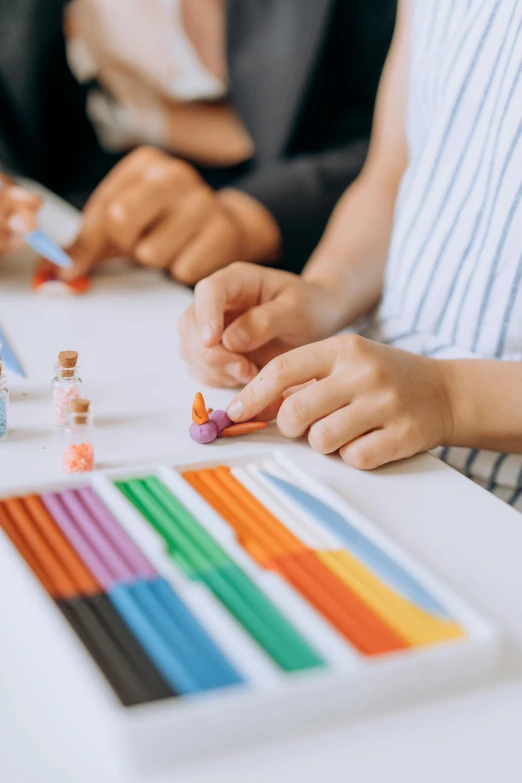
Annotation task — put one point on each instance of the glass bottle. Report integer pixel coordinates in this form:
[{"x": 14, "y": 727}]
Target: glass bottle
[
  {"x": 66, "y": 385},
  {"x": 4, "y": 400},
  {"x": 78, "y": 438}
]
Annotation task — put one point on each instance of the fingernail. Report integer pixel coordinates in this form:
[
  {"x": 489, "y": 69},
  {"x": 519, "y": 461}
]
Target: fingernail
[
  {"x": 241, "y": 338},
  {"x": 236, "y": 410},
  {"x": 17, "y": 224},
  {"x": 235, "y": 369},
  {"x": 207, "y": 332}
]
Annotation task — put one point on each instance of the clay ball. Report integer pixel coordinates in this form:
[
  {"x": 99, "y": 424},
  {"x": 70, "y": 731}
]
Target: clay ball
[
  {"x": 204, "y": 433},
  {"x": 221, "y": 419}
]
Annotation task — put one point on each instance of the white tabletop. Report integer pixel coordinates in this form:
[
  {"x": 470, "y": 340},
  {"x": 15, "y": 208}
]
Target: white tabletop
[{"x": 125, "y": 333}]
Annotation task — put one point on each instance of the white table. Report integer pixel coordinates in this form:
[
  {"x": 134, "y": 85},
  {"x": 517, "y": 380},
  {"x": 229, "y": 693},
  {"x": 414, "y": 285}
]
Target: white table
[{"x": 125, "y": 334}]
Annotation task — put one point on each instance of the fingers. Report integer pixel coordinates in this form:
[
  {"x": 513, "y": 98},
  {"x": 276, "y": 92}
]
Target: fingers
[
  {"x": 309, "y": 406},
  {"x": 22, "y": 222},
  {"x": 139, "y": 163},
  {"x": 289, "y": 369},
  {"x": 157, "y": 194},
  {"x": 23, "y": 198},
  {"x": 225, "y": 371},
  {"x": 236, "y": 287},
  {"x": 344, "y": 425},
  {"x": 132, "y": 212},
  {"x": 213, "y": 248},
  {"x": 93, "y": 244},
  {"x": 215, "y": 366},
  {"x": 375, "y": 449},
  {"x": 22, "y": 208},
  {"x": 272, "y": 410},
  {"x": 259, "y": 325},
  {"x": 165, "y": 240},
  {"x": 18, "y": 216},
  {"x": 89, "y": 248}
]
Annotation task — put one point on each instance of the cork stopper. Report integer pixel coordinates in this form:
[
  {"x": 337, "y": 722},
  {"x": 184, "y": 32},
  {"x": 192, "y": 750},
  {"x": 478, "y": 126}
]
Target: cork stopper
[
  {"x": 67, "y": 359},
  {"x": 79, "y": 408},
  {"x": 1, "y": 365}
]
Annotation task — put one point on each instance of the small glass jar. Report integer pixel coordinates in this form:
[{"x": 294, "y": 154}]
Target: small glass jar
[
  {"x": 4, "y": 403},
  {"x": 66, "y": 387},
  {"x": 78, "y": 439}
]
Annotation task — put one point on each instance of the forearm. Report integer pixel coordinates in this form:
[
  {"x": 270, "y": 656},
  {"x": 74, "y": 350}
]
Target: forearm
[
  {"x": 485, "y": 400},
  {"x": 301, "y": 193},
  {"x": 351, "y": 257}
]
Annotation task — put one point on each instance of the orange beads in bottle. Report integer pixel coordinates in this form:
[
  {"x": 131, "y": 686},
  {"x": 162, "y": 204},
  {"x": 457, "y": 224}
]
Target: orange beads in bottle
[{"x": 78, "y": 438}]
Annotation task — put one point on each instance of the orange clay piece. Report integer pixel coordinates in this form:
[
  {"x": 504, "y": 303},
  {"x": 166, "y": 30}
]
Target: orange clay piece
[
  {"x": 44, "y": 274},
  {"x": 199, "y": 410},
  {"x": 242, "y": 429}
]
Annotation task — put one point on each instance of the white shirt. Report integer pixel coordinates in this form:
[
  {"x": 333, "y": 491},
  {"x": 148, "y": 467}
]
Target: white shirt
[
  {"x": 453, "y": 284},
  {"x": 142, "y": 48}
]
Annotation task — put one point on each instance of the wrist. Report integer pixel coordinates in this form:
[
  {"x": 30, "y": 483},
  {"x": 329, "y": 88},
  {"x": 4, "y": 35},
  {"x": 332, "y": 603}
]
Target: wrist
[
  {"x": 260, "y": 237},
  {"x": 327, "y": 306},
  {"x": 341, "y": 304},
  {"x": 459, "y": 403}
]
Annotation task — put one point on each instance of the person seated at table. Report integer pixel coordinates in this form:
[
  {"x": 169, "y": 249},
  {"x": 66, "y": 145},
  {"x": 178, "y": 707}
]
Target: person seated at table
[
  {"x": 427, "y": 244},
  {"x": 262, "y": 111}
]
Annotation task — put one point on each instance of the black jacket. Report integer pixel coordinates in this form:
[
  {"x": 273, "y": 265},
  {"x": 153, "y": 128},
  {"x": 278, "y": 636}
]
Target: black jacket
[{"x": 303, "y": 78}]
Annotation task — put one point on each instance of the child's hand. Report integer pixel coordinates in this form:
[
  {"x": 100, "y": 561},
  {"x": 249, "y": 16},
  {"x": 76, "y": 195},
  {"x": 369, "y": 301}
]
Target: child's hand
[
  {"x": 373, "y": 403},
  {"x": 160, "y": 212},
  {"x": 244, "y": 315},
  {"x": 18, "y": 214}
]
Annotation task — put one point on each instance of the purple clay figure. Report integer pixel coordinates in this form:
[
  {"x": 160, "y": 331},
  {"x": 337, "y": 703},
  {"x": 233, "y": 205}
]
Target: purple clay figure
[
  {"x": 221, "y": 419},
  {"x": 204, "y": 433}
]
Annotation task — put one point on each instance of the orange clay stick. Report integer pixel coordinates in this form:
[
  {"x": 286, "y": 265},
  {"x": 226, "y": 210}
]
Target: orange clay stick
[
  {"x": 45, "y": 575},
  {"x": 243, "y": 429},
  {"x": 41, "y": 550}
]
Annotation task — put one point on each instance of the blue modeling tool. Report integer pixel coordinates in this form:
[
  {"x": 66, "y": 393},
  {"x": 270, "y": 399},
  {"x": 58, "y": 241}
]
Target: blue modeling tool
[
  {"x": 11, "y": 363},
  {"x": 360, "y": 545},
  {"x": 45, "y": 247}
]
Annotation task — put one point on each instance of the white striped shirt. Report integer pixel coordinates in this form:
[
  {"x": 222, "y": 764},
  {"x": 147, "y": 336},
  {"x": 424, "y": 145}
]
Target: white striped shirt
[{"x": 453, "y": 285}]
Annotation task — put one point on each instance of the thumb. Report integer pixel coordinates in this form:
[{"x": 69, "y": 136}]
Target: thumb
[
  {"x": 258, "y": 326},
  {"x": 86, "y": 251},
  {"x": 237, "y": 287}
]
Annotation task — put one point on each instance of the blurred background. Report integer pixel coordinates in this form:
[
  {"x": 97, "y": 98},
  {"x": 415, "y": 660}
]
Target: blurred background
[{"x": 272, "y": 98}]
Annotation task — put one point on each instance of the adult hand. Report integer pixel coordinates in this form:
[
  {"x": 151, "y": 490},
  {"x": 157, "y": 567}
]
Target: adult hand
[
  {"x": 244, "y": 315},
  {"x": 18, "y": 214},
  {"x": 159, "y": 211},
  {"x": 372, "y": 403}
]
